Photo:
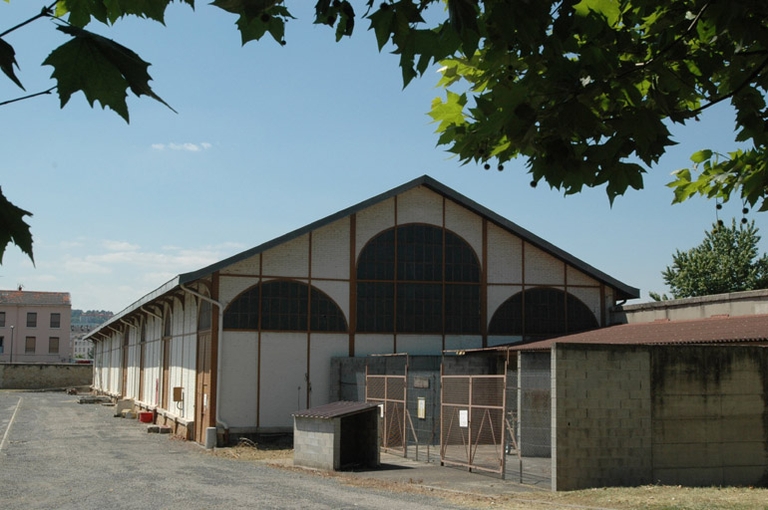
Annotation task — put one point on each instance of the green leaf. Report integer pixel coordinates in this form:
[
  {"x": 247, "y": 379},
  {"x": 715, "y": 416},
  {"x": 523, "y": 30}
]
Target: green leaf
[
  {"x": 608, "y": 9},
  {"x": 99, "y": 67},
  {"x": 109, "y": 11},
  {"x": 257, "y": 17},
  {"x": 701, "y": 156},
  {"x": 7, "y": 61},
  {"x": 13, "y": 228},
  {"x": 381, "y": 23}
]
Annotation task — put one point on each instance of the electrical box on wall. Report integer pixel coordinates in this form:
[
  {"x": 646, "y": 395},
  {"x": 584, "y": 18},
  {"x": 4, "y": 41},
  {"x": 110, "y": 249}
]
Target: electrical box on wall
[{"x": 178, "y": 394}]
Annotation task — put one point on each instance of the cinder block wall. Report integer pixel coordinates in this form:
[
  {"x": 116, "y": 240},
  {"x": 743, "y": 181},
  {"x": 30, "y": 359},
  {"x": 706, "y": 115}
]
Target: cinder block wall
[
  {"x": 631, "y": 415},
  {"x": 710, "y": 415},
  {"x": 314, "y": 443},
  {"x": 601, "y": 426},
  {"x": 36, "y": 376}
]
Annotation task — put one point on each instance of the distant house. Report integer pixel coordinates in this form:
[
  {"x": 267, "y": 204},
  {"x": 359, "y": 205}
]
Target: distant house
[
  {"x": 35, "y": 327},
  {"x": 246, "y": 342}
]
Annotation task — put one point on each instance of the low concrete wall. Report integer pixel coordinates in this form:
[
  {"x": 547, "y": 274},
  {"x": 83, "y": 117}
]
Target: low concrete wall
[
  {"x": 602, "y": 417},
  {"x": 633, "y": 415},
  {"x": 36, "y": 376},
  {"x": 710, "y": 415},
  {"x": 751, "y": 302}
]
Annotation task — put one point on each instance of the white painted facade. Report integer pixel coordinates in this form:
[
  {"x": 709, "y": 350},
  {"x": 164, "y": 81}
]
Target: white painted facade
[{"x": 259, "y": 378}]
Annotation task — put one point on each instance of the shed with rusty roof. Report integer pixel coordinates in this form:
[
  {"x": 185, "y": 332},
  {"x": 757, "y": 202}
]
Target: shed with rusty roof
[{"x": 337, "y": 436}]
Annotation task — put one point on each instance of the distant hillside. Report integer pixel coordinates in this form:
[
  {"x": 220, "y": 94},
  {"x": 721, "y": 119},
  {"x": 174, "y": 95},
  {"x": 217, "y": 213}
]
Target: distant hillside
[{"x": 90, "y": 318}]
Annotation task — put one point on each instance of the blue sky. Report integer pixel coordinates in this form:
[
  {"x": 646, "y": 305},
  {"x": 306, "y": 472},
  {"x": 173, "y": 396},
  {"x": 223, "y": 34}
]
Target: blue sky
[{"x": 267, "y": 139}]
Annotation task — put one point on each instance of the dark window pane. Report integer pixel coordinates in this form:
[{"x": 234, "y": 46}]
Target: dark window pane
[
  {"x": 375, "y": 308},
  {"x": 419, "y": 308},
  {"x": 426, "y": 256},
  {"x": 462, "y": 308},
  {"x": 544, "y": 310},
  {"x": 284, "y": 307}
]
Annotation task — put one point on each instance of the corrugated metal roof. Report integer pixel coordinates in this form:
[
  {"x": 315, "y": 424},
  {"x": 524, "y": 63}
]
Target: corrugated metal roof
[
  {"x": 713, "y": 330},
  {"x": 32, "y": 298},
  {"x": 335, "y": 410}
]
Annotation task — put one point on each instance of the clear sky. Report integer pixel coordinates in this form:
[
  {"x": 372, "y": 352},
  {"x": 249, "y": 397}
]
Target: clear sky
[{"x": 266, "y": 140}]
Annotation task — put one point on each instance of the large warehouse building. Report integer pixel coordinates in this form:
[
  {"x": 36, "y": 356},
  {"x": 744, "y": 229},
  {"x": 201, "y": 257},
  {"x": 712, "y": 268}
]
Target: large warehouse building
[{"x": 242, "y": 344}]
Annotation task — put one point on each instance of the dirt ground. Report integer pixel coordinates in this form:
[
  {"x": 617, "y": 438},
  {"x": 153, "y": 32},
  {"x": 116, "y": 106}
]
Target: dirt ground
[{"x": 650, "y": 497}]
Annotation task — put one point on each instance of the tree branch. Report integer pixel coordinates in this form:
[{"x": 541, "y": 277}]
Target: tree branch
[
  {"x": 3, "y": 103},
  {"x": 44, "y": 13},
  {"x": 754, "y": 74}
]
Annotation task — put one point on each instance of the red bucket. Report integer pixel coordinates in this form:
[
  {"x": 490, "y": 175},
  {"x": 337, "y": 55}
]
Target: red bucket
[{"x": 146, "y": 417}]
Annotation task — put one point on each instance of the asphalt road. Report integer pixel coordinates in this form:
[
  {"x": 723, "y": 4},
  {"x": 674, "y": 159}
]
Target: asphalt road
[{"x": 56, "y": 453}]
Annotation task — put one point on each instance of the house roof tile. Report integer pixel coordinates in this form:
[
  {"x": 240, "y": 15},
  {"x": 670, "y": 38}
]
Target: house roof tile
[{"x": 32, "y": 298}]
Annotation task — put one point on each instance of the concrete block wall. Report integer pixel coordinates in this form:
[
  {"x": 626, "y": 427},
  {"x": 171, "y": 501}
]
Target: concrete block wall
[
  {"x": 709, "y": 415},
  {"x": 35, "y": 376},
  {"x": 601, "y": 426},
  {"x": 734, "y": 304},
  {"x": 316, "y": 443}
]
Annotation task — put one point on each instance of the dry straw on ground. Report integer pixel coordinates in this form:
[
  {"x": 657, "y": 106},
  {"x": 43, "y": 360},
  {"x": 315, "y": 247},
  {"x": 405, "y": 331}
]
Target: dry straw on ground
[{"x": 650, "y": 497}]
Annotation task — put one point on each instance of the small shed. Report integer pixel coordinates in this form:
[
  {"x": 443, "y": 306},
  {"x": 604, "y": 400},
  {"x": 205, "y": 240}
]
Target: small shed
[{"x": 337, "y": 436}]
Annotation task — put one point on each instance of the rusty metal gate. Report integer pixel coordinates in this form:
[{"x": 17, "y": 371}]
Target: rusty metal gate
[
  {"x": 389, "y": 391},
  {"x": 473, "y": 425}
]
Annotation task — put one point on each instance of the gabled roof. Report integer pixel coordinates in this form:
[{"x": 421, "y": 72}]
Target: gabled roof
[
  {"x": 623, "y": 291},
  {"x": 713, "y": 330},
  {"x": 32, "y": 298}
]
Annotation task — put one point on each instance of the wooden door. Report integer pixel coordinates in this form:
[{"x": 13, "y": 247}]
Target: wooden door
[{"x": 203, "y": 397}]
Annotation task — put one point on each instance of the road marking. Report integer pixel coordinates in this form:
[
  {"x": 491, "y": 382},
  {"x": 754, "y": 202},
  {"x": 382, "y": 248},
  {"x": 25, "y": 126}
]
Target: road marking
[{"x": 8, "y": 428}]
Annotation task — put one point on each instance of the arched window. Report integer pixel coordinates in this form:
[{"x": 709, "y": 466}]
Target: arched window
[
  {"x": 542, "y": 312},
  {"x": 418, "y": 279},
  {"x": 284, "y": 305}
]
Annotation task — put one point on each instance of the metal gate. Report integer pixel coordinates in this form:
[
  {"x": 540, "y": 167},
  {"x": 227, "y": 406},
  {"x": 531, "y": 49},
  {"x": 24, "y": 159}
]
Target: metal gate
[
  {"x": 389, "y": 391},
  {"x": 473, "y": 425}
]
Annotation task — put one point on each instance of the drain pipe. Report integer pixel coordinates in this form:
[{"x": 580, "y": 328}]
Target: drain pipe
[{"x": 220, "y": 332}]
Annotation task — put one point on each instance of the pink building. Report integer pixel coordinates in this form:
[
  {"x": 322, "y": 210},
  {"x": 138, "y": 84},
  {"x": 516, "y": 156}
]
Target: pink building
[{"x": 35, "y": 327}]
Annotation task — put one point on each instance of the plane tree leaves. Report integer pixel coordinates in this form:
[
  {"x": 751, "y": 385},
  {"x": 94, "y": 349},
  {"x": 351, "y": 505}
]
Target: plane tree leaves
[
  {"x": 13, "y": 228},
  {"x": 8, "y": 61},
  {"x": 99, "y": 67},
  {"x": 584, "y": 91}
]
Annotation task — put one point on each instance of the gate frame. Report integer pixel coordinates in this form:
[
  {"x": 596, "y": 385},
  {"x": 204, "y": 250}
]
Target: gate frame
[
  {"x": 382, "y": 402},
  {"x": 502, "y": 433}
]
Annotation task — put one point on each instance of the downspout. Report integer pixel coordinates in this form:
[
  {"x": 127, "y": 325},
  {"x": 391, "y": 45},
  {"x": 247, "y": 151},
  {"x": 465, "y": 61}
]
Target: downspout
[{"x": 220, "y": 333}]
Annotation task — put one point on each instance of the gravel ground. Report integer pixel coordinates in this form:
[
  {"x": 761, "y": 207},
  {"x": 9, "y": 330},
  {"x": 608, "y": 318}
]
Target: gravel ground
[{"x": 56, "y": 453}]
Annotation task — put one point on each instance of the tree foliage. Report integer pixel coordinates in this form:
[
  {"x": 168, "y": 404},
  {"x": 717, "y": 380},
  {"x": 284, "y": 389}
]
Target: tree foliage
[
  {"x": 13, "y": 228},
  {"x": 584, "y": 91},
  {"x": 726, "y": 261}
]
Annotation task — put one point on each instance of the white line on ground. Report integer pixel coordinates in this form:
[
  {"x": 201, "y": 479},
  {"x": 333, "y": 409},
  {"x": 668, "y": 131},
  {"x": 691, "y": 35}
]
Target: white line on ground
[{"x": 10, "y": 422}]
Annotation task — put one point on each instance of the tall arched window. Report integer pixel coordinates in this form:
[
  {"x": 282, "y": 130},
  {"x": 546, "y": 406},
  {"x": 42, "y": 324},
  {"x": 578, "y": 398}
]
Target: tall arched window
[
  {"x": 542, "y": 312},
  {"x": 418, "y": 279},
  {"x": 284, "y": 305}
]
